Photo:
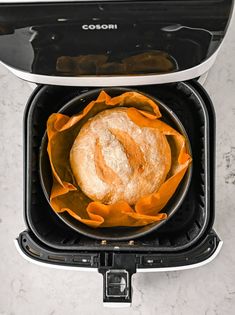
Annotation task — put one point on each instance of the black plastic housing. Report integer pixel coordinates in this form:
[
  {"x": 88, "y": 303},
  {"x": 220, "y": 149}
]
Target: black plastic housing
[{"x": 196, "y": 214}]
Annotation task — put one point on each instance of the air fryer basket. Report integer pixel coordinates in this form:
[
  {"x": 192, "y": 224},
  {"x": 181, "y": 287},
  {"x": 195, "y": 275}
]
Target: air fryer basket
[
  {"x": 193, "y": 218},
  {"x": 114, "y": 233}
]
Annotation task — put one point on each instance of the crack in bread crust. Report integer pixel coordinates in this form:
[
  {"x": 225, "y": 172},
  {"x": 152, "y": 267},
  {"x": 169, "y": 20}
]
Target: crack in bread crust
[{"x": 132, "y": 150}]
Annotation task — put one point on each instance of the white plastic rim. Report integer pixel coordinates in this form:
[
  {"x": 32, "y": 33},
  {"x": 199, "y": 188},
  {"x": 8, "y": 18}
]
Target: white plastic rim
[
  {"x": 99, "y": 81},
  {"x": 163, "y": 269},
  {"x": 202, "y": 79}
]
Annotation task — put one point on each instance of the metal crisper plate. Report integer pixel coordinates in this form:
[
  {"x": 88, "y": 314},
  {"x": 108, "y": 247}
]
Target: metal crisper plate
[{"x": 191, "y": 222}]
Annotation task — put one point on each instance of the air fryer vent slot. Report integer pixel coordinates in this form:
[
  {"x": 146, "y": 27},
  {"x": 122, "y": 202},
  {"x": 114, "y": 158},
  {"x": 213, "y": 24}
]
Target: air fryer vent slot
[
  {"x": 56, "y": 258},
  {"x": 32, "y": 251}
]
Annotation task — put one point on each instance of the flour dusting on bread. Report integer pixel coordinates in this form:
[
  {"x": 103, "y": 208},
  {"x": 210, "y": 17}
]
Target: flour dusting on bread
[{"x": 113, "y": 159}]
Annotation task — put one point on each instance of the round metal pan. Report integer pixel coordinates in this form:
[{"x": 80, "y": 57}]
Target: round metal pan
[{"x": 114, "y": 233}]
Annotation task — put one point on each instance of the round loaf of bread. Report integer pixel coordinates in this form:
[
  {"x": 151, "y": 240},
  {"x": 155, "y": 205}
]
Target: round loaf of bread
[{"x": 114, "y": 159}]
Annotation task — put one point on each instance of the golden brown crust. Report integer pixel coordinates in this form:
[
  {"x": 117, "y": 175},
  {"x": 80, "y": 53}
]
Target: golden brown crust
[{"x": 114, "y": 159}]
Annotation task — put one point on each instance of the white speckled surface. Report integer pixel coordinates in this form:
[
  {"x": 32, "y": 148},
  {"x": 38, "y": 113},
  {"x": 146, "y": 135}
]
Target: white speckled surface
[{"x": 29, "y": 289}]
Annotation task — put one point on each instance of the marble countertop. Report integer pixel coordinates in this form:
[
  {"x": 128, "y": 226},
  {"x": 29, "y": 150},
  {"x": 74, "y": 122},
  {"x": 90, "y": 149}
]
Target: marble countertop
[{"x": 29, "y": 289}]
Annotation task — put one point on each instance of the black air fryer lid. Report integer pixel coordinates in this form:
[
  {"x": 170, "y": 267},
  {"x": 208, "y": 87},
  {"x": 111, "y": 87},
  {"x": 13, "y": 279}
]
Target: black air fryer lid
[{"x": 133, "y": 42}]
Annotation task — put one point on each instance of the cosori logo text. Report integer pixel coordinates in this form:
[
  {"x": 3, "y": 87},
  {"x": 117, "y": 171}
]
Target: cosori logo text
[{"x": 92, "y": 27}]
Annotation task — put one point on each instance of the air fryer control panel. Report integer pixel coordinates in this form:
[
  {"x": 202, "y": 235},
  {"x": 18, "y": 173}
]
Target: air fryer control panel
[{"x": 86, "y": 38}]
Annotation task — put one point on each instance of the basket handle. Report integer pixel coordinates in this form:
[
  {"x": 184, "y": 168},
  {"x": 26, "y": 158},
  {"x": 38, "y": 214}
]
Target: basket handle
[{"x": 117, "y": 273}]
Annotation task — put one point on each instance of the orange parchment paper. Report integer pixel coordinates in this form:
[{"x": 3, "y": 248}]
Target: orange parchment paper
[{"x": 66, "y": 194}]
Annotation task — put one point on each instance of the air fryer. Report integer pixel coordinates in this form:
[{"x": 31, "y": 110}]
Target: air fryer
[{"x": 78, "y": 46}]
